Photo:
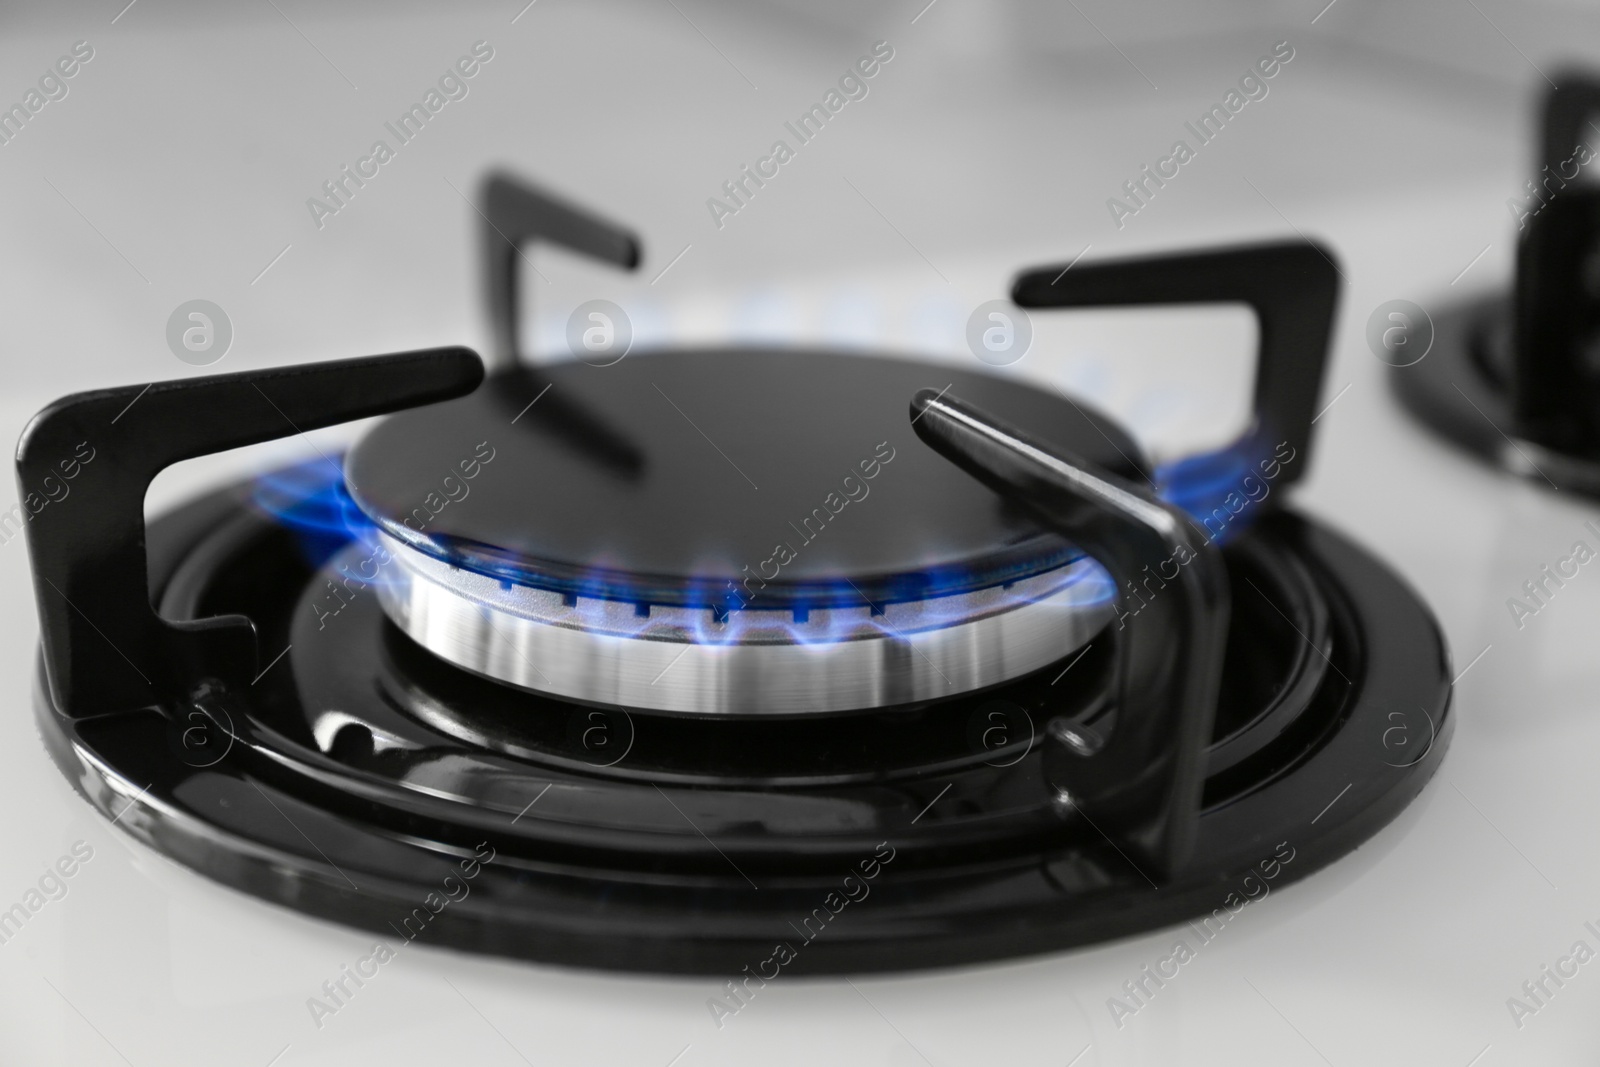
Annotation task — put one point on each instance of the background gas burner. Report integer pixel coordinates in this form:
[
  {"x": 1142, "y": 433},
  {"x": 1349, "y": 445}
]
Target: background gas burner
[
  {"x": 1516, "y": 379},
  {"x": 1166, "y": 753}
]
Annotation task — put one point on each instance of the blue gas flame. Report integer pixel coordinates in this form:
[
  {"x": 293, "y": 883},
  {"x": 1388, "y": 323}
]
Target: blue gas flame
[
  {"x": 1223, "y": 489},
  {"x": 311, "y": 500}
]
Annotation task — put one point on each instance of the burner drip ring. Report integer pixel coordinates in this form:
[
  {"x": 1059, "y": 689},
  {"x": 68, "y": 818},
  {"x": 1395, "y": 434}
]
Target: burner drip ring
[{"x": 686, "y": 661}]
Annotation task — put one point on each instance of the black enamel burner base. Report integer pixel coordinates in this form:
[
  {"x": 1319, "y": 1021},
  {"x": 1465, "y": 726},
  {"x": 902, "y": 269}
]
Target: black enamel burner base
[
  {"x": 1462, "y": 390},
  {"x": 1511, "y": 377},
  {"x": 348, "y": 782}
]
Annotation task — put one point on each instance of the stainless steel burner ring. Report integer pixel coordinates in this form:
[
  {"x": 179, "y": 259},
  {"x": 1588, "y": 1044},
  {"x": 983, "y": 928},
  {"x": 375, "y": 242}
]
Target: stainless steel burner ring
[{"x": 756, "y": 663}]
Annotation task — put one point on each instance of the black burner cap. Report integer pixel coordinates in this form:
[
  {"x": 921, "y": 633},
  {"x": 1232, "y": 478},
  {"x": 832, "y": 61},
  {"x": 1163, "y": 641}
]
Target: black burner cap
[{"x": 662, "y": 478}]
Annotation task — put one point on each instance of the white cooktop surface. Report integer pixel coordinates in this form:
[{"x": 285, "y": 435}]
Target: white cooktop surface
[{"x": 177, "y": 167}]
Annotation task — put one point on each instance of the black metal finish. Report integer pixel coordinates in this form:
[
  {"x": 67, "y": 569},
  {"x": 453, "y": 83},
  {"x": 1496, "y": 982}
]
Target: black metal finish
[
  {"x": 1555, "y": 393},
  {"x": 1142, "y": 784},
  {"x": 515, "y": 213},
  {"x": 1569, "y": 108},
  {"x": 970, "y": 860},
  {"x": 105, "y": 649},
  {"x": 1516, "y": 381},
  {"x": 1293, "y": 288}
]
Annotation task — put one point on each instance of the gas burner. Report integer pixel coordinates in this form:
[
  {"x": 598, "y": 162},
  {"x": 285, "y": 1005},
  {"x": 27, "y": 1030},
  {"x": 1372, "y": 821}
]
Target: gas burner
[
  {"x": 1004, "y": 699},
  {"x": 832, "y": 569},
  {"x": 1515, "y": 378}
]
